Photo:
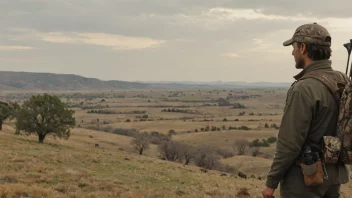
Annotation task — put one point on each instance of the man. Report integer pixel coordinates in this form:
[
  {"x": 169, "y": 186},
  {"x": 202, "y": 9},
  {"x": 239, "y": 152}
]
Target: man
[{"x": 309, "y": 114}]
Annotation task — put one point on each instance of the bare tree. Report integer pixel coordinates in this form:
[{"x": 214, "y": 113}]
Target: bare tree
[
  {"x": 186, "y": 153},
  {"x": 225, "y": 152},
  {"x": 240, "y": 146},
  {"x": 170, "y": 150},
  {"x": 141, "y": 142},
  {"x": 206, "y": 157}
]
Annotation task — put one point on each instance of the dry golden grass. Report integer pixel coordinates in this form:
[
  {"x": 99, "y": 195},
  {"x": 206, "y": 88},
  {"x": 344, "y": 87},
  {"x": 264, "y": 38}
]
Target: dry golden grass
[
  {"x": 67, "y": 169},
  {"x": 70, "y": 168},
  {"x": 256, "y": 166}
]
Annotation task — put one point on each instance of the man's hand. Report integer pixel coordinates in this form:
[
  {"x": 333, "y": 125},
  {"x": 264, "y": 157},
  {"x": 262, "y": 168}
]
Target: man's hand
[{"x": 268, "y": 192}]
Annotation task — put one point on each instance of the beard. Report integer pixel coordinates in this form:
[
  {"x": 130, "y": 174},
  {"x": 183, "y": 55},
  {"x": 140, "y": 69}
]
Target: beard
[{"x": 299, "y": 63}]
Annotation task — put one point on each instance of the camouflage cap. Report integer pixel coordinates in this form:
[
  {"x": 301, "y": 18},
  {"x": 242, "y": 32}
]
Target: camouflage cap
[{"x": 311, "y": 33}]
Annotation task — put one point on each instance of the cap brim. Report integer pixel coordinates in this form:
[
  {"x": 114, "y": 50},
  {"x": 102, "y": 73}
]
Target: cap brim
[{"x": 288, "y": 42}]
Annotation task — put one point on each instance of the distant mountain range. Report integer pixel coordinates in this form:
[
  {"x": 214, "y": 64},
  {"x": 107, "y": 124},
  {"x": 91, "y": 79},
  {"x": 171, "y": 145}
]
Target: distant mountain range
[{"x": 56, "y": 82}]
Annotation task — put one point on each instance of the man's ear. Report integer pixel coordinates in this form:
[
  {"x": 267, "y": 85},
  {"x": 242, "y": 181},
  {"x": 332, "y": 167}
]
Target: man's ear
[{"x": 303, "y": 48}]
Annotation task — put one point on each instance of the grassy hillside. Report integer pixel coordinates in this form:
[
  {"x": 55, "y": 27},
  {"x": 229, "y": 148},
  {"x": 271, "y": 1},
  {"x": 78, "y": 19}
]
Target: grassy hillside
[
  {"x": 75, "y": 168},
  {"x": 71, "y": 168}
]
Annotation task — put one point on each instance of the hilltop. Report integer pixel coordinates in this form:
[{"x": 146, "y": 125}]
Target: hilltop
[{"x": 49, "y": 81}]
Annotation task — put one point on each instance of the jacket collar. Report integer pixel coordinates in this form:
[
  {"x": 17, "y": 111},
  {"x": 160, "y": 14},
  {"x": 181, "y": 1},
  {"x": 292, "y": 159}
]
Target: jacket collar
[{"x": 315, "y": 66}]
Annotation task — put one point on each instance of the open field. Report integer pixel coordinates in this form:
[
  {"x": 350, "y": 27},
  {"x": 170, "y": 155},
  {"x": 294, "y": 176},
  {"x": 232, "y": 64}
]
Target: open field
[{"x": 210, "y": 119}]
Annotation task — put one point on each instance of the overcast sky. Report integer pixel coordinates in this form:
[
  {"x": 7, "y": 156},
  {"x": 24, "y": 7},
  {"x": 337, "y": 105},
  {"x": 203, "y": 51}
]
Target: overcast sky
[{"x": 165, "y": 40}]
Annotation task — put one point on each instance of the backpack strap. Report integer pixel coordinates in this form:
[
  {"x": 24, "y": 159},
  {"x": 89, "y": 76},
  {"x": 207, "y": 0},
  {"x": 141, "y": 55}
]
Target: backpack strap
[{"x": 332, "y": 85}]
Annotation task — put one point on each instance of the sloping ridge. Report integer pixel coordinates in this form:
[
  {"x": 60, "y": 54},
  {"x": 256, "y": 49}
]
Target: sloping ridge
[{"x": 48, "y": 81}]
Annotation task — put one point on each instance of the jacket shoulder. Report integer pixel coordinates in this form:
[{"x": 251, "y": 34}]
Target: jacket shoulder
[{"x": 308, "y": 85}]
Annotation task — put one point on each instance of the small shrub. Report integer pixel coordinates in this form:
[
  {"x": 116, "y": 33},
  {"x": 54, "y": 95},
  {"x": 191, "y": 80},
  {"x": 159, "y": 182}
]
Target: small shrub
[
  {"x": 238, "y": 106},
  {"x": 266, "y": 125},
  {"x": 272, "y": 139}
]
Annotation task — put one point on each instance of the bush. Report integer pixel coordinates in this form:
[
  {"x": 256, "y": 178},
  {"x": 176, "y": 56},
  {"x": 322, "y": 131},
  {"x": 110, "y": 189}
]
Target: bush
[
  {"x": 176, "y": 151},
  {"x": 223, "y": 102},
  {"x": 170, "y": 150},
  {"x": 206, "y": 157},
  {"x": 274, "y": 126},
  {"x": 257, "y": 143},
  {"x": 240, "y": 146},
  {"x": 225, "y": 153},
  {"x": 266, "y": 125},
  {"x": 238, "y": 106},
  {"x": 157, "y": 138},
  {"x": 126, "y": 132},
  {"x": 244, "y": 128},
  {"x": 272, "y": 139}
]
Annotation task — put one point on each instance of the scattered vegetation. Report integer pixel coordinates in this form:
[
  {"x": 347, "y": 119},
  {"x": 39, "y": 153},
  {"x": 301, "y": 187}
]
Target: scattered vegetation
[
  {"x": 178, "y": 110},
  {"x": 224, "y": 102},
  {"x": 263, "y": 142},
  {"x": 144, "y": 141}
]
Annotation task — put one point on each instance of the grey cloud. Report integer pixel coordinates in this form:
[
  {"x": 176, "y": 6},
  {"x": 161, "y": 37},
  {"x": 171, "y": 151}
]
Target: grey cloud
[
  {"x": 125, "y": 16},
  {"x": 195, "y": 42}
]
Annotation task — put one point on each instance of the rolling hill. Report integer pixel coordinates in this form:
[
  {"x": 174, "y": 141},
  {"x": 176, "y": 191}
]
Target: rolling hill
[
  {"x": 49, "y": 81},
  {"x": 10, "y": 80}
]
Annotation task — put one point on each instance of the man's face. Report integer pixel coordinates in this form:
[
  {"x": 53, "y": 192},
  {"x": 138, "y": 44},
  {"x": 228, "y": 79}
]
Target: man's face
[{"x": 296, "y": 52}]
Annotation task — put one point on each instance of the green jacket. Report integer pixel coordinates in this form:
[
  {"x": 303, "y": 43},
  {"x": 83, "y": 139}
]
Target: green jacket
[{"x": 310, "y": 113}]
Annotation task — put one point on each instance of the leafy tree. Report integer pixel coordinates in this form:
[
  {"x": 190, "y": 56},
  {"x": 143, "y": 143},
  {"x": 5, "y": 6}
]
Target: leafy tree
[
  {"x": 4, "y": 112},
  {"x": 7, "y": 110},
  {"x": 45, "y": 114}
]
